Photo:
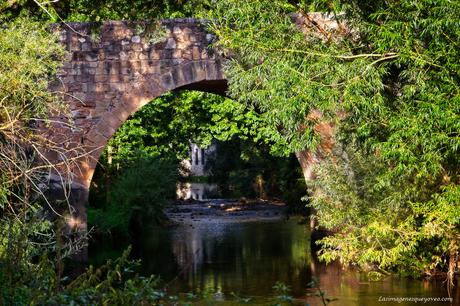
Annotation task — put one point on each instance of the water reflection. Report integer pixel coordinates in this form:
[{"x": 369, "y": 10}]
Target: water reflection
[
  {"x": 355, "y": 289},
  {"x": 232, "y": 257},
  {"x": 196, "y": 191},
  {"x": 250, "y": 257}
]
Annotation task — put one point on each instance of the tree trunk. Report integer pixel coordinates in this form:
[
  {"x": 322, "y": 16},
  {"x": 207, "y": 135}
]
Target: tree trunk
[
  {"x": 453, "y": 256},
  {"x": 308, "y": 159}
]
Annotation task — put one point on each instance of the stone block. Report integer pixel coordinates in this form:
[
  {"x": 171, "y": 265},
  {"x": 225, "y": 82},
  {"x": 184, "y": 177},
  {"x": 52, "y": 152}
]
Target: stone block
[
  {"x": 188, "y": 72},
  {"x": 94, "y": 87},
  {"x": 91, "y": 56},
  {"x": 167, "y": 81},
  {"x": 109, "y": 55},
  {"x": 111, "y": 67},
  {"x": 123, "y": 63},
  {"x": 90, "y": 104},
  {"x": 79, "y": 96},
  {"x": 196, "y": 53},
  {"x": 135, "y": 65},
  {"x": 178, "y": 77},
  {"x": 165, "y": 66},
  {"x": 183, "y": 45},
  {"x": 200, "y": 71},
  {"x": 126, "y": 78},
  {"x": 133, "y": 55},
  {"x": 177, "y": 54},
  {"x": 84, "y": 78},
  {"x": 75, "y": 71},
  {"x": 125, "y": 71},
  {"x": 68, "y": 79},
  {"x": 193, "y": 38},
  {"x": 211, "y": 70},
  {"x": 112, "y": 120},
  {"x": 187, "y": 55},
  {"x": 121, "y": 113},
  {"x": 105, "y": 129},
  {"x": 66, "y": 65},
  {"x": 143, "y": 55},
  {"x": 80, "y": 113},
  {"x": 117, "y": 86},
  {"x": 123, "y": 56},
  {"x": 114, "y": 78},
  {"x": 74, "y": 46},
  {"x": 101, "y": 55},
  {"x": 91, "y": 71},
  {"x": 100, "y": 77},
  {"x": 136, "y": 47},
  {"x": 129, "y": 104},
  {"x": 87, "y": 46},
  {"x": 187, "y": 30},
  {"x": 167, "y": 54},
  {"x": 170, "y": 44},
  {"x": 155, "y": 54}
]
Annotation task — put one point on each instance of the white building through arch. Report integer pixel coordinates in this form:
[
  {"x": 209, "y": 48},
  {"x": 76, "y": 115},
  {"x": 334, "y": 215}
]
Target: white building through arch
[{"x": 200, "y": 158}]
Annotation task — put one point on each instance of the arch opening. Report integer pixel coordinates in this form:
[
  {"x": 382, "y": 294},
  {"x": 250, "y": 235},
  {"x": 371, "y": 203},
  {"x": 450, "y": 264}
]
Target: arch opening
[{"x": 234, "y": 149}]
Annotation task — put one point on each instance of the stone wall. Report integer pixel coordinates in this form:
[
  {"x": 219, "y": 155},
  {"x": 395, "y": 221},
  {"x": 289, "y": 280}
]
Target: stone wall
[{"x": 115, "y": 68}]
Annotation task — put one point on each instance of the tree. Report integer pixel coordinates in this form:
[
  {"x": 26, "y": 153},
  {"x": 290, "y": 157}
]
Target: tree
[
  {"x": 162, "y": 130},
  {"x": 85, "y": 10},
  {"x": 29, "y": 56},
  {"x": 165, "y": 126},
  {"x": 385, "y": 75},
  {"x": 31, "y": 245}
]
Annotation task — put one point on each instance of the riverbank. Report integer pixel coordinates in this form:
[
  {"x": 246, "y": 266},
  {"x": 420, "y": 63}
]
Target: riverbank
[{"x": 224, "y": 210}]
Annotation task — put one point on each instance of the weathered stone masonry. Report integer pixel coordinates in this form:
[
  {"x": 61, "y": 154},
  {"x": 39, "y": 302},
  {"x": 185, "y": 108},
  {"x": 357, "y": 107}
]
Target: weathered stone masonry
[{"x": 112, "y": 70}]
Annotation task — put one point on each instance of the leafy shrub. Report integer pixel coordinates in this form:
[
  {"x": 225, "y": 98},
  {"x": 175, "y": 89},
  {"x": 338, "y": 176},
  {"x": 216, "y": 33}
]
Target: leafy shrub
[{"x": 139, "y": 193}]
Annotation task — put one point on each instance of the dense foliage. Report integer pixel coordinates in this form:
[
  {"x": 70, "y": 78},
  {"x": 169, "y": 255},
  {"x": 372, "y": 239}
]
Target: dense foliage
[
  {"x": 29, "y": 57},
  {"x": 387, "y": 76},
  {"x": 163, "y": 130},
  {"x": 137, "y": 195},
  {"x": 244, "y": 168},
  {"x": 165, "y": 126},
  {"x": 85, "y": 10}
]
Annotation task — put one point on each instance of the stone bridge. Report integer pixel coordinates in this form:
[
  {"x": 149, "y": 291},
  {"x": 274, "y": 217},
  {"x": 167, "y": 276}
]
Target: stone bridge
[{"x": 113, "y": 69}]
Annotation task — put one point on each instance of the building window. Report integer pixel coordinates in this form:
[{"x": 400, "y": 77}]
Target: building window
[{"x": 202, "y": 156}]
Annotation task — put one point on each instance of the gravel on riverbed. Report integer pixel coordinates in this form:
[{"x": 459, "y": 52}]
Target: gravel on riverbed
[{"x": 220, "y": 210}]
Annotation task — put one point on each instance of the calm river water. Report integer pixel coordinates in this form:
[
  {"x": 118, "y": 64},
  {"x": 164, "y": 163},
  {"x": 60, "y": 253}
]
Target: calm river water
[{"x": 248, "y": 258}]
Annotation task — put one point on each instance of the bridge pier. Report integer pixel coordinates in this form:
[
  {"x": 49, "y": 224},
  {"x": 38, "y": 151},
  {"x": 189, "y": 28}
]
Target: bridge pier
[{"x": 70, "y": 202}]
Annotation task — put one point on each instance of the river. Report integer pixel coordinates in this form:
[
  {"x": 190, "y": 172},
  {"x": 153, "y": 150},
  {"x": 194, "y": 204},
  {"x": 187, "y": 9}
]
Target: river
[{"x": 247, "y": 257}]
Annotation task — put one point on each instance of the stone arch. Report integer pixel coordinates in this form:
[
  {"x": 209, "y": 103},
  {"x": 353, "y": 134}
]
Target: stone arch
[
  {"x": 133, "y": 100},
  {"x": 111, "y": 71}
]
